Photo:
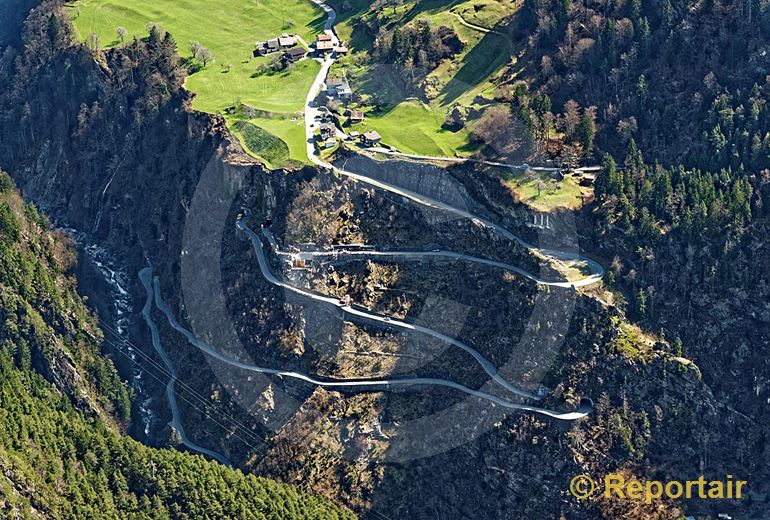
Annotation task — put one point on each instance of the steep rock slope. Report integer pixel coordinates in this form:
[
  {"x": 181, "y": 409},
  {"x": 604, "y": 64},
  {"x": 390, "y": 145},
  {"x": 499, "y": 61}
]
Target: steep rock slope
[
  {"x": 62, "y": 454},
  {"x": 107, "y": 143}
]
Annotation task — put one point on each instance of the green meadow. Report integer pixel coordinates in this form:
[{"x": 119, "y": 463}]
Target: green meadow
[
  {"x": 259, "y": 136},
  {"x": 415, "y": 126},
  {"x": 543, "y": 192},
  {"x": 230, "y": 31}
]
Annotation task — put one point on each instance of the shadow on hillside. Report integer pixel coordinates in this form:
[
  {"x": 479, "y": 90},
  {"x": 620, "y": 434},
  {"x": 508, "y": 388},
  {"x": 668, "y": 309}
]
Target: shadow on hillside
[
  {"x": 493, "y": 51},
  {"x": 318, "y": 23},
  {"x": 361, "y": 38},
  {"x": 426, "y": 6},
  {"x": 384, "y": 83}
]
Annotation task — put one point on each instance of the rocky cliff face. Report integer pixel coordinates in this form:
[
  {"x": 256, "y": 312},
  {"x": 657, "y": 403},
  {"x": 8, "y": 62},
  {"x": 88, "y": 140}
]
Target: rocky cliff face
[{"x": 107, "y": 144}]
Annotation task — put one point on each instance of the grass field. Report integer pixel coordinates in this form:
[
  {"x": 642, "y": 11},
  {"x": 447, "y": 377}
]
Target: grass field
[
  {"x": 291, "y": 132},
  {"x": 414, "y": 127},
  {"x": 230, "y": 31},
  {"x": 410, "y": 125},
  {"x": 281, "y": 92},
  {"x": 543, "y": 192},
  {"x": 485, "y": 13},
  {"x": 262, "y": 143}
]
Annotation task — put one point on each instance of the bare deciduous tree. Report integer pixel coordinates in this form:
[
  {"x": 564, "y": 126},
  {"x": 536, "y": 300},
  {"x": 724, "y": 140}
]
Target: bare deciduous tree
[
  {"x": 92, "y": 41},
  {"x": 194, "y": 47},
  {"x": 122, "y": 32},
  {"x": 205, "y": 55},
  {"x": 571, "y": 117}
]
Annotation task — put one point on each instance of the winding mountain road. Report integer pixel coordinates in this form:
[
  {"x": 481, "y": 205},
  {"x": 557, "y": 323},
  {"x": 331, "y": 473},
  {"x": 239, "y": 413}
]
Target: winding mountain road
[
  {"x": 311, "y": 113},
  {"x": 597, "y": 271},
  {"x": 488, "y": 367},
  {"x": 511, "y": 166},
  {"x": 384, "y": 384},
  {"x": 439, "y": 254},
  {"x": 145, "y": 276},
  {"x": 311, "y": 110}
]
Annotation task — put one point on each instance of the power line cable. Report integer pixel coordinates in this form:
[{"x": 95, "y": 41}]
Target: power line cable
[{"x": 202, "y": 400}]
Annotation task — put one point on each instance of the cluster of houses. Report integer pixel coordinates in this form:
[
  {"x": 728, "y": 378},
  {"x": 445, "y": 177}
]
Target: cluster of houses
[
  {"x": 324, "y": 43},
  {"x": 328, "y": 137},
  {"x": 285, "y": 43},
  {"x": 339, "y": 88}
]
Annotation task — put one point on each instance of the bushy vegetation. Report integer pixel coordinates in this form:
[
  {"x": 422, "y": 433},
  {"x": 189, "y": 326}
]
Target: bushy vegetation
[
  {"x": 705, "y": 227},
  {"x": 420, "y": 60},
  {"x": 645, "y": 200},
  {"x": 543, "y": 191},
  {"x": 416, "y": 50},
  {"x": 61, "y": 464},
  {"x": 12, "y": 14},
  {"x": 61, "y": 455},
  {"x": 38, "y": 304},
  {"x": 686, "y": 79}
]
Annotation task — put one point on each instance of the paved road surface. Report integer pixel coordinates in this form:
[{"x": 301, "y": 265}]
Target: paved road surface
[
  {"x": 382, "y": 384},
  {"x": 145, "y": 275},
  {"x": 311, "y": 111},
  {"x": 420, "y": 255},
  {"x": 488, "y": 367}
]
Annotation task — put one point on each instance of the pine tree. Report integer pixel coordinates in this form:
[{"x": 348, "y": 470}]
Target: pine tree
[{"x": 585, "y": 133}]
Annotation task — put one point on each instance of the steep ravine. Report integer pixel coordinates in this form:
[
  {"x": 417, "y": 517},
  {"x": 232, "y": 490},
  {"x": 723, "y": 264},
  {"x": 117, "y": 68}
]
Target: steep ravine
[
  {"x": 110, "y": 148},
  {"x": 108, "y": 145}
]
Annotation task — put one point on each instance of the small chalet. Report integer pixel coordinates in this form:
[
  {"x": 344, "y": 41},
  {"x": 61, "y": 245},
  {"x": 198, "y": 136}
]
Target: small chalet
[
  {"x": 324, "y": 37},
  {"x": 262, "y": 49},
  {"x": 342, "y": 48},
  {"x": 338, "y": 87},
  {"x": 356, "y": 116},
  {"x": 371, "y": 138},
  {"x": 272, "y": 44},
  {"x": 275, "y": 44},
  {"x": 328, "y": 131},
  {"x": 285, "y": 41},
  {"x": 324, "y": 46},
  {"x": 334, "y": 83},
  {"x": 297, "y": 262},
  {"x": 295, "y": 54},
  {"x": 587, "y": 179}
]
